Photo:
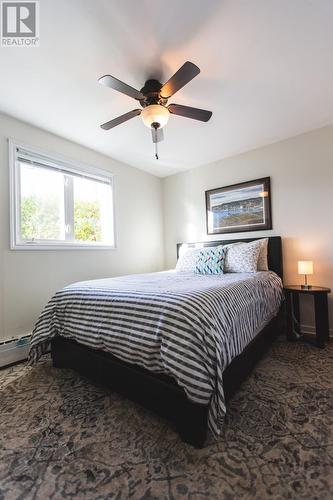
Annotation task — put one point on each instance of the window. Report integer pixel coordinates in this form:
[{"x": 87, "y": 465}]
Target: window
[{"x": 57, "y": 204}]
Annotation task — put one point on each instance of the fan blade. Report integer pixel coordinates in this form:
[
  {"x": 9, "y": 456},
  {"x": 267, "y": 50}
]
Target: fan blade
[
  {"x": 120, "y": 119},
  {"x": 184, "y": 75},
  {"x": 157, "y": 134},
  {"x": 195, "y": 113},
  {"x": 114, "y": 83}
]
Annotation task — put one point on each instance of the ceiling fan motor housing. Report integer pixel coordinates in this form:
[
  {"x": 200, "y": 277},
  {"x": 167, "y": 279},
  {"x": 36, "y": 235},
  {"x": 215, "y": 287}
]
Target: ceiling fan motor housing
[{"x": 151, "y": 92}]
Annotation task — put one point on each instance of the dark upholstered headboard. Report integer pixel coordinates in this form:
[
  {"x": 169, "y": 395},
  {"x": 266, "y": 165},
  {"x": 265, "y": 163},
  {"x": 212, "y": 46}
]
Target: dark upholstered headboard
[{"x": 274, "y": 250}]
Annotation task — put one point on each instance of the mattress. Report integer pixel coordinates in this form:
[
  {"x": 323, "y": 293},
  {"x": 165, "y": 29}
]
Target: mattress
[{"x": 185, "y": 325}]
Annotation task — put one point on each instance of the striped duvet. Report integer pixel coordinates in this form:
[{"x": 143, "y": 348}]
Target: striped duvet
[{"x": 187, "y": 326}]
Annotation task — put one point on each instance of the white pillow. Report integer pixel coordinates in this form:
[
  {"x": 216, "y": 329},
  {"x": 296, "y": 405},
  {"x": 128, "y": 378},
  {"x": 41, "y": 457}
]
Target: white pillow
[
  {"x": 242, "y": 257},
  {"x": 262, "y": 259},
  {"x": 187, "y": 259}
]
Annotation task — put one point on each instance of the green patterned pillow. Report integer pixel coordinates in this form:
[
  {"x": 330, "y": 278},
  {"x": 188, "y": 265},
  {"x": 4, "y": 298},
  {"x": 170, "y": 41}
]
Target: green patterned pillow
[{"x": 210, "y": 261}]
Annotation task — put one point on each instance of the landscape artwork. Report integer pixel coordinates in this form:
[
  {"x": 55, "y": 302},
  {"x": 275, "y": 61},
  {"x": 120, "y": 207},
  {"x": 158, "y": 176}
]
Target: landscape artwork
[{"x": 240, "y": 207}]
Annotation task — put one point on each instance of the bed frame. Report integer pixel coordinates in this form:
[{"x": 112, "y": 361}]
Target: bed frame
[{"x": 160, "y": 393}]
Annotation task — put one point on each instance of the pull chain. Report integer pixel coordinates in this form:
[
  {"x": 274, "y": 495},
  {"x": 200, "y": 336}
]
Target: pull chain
[{"x": 154, "y": 128}]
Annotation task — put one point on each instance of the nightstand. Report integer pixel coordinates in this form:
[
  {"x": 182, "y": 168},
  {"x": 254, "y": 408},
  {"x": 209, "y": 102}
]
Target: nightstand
[{"x": 319, "y": 294}]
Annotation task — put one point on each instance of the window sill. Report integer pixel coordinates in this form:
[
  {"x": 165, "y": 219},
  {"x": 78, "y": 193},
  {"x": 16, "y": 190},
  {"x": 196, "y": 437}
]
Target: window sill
[{"x": 68, "y": 246}]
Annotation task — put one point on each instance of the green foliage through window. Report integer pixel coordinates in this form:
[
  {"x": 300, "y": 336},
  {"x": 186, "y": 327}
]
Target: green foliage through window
[
  {"x": 41, "y": 220},
  {"x": 87, "y": 225}
]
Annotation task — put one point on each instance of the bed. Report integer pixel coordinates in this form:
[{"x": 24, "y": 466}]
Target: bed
[{"x": 160, "y": 339}]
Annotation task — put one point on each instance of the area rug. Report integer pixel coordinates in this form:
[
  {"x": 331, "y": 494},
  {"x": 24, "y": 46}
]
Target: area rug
[{"x": 62, "y": 436}]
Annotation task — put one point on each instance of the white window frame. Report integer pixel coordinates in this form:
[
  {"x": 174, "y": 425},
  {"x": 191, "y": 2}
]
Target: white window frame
[{"x": 14, "y": 190}]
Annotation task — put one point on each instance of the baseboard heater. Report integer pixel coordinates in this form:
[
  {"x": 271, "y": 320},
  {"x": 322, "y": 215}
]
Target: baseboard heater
[{"x": 14, "y": 350}]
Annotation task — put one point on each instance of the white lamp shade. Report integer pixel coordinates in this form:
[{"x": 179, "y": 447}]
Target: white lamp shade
[
  {"x": 305, "y": 267},
  {"x": 155, "y": 113}
]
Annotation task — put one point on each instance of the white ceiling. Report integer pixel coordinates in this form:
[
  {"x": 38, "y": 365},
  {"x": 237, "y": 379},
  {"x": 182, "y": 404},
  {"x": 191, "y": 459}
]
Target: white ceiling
[{"x": 266, "y": 73}]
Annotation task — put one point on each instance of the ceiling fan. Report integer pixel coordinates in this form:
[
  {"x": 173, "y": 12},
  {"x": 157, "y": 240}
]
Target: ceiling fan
[{"x": 153, "y": 98}]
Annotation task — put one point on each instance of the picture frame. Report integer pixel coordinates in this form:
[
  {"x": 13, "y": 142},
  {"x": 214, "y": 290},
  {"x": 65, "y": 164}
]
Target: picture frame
[{"x": 241, "y": 207}]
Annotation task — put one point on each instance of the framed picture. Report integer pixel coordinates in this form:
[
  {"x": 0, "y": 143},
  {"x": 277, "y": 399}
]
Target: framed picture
[{"x": 240, "y": 207}]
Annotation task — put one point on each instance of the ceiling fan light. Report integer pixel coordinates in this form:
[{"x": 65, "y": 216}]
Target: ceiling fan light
[{"x": 155, "y": 113}]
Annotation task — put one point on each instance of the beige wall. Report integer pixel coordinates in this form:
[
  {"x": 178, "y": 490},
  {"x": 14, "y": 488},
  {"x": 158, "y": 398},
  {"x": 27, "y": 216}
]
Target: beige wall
[
  {"x": 301, "y": 171},
  {"x": 29, "y": 278}
]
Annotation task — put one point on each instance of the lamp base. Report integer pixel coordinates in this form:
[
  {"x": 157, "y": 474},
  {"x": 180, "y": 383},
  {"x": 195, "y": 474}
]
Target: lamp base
[{"x": 306, "y": 287}]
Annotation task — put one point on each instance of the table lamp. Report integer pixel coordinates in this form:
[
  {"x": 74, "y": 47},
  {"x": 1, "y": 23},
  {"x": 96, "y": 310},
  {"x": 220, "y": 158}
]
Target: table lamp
[{"x": 305, "y": 267}]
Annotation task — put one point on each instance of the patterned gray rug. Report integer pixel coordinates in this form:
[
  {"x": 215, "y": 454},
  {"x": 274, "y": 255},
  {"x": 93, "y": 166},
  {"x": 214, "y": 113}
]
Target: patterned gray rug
[{"x": 64, "y": 437}]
